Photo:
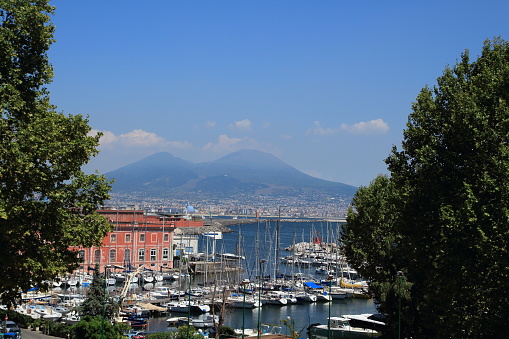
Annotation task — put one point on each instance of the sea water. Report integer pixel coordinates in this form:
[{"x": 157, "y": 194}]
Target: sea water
[{"x": 256, "y": 243}]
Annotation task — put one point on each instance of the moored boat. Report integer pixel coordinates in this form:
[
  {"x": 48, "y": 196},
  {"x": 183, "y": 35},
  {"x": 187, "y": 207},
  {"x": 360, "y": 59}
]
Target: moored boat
[{"x": 340, "y": 328}]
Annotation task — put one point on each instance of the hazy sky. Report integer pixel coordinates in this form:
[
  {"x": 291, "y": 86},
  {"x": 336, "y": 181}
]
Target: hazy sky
[{"x": 326, "y": 86}]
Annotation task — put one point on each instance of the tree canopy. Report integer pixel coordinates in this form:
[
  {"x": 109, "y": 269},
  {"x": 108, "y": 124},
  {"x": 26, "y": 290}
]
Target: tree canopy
[
  {"x": 442, "y": 217},
  {"x": 97, "y": 302},
  {"x": 47, "y": 203}
]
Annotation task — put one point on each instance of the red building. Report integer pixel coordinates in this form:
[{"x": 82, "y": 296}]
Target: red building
[{"x": 138, "y": 238}]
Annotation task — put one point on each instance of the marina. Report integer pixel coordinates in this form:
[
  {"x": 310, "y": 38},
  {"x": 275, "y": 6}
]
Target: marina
[{"x": 256, "y": 275}]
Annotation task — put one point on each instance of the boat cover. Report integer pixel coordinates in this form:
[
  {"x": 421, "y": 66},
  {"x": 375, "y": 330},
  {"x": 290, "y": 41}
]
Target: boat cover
[{"x": 312, "y": 285}]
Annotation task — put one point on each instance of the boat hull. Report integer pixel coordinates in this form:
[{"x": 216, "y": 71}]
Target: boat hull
[{"x": 322, "y": 332}]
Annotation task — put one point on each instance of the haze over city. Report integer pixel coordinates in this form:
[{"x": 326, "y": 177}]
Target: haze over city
[{"x": 325, "y": 86}]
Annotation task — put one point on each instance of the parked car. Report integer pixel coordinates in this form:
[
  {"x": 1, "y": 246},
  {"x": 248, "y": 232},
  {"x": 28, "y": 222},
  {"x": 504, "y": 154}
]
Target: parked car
[
  {"x": 10, "y": 329},
  {"x": 136, "y": 335}
]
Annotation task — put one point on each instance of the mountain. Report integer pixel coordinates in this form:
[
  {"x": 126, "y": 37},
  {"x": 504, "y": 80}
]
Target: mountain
[
  {"x": 158, "y": 170},
  {"x": 242, "y": 172}
]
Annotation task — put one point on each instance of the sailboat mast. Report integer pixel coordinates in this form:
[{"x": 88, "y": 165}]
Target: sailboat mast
[{"x": 278, "y": 242}]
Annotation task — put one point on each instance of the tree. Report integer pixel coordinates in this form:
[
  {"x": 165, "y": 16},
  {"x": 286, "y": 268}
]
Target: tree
[
  {"x": 450, "y": 228},
  {"x": 373, "y": 246},
  {"x": 186, "y": 332},
  {"x": 97, "y": 302},
  {"x": 93, "y": 327},
  {"x": 47, "y": 204}
]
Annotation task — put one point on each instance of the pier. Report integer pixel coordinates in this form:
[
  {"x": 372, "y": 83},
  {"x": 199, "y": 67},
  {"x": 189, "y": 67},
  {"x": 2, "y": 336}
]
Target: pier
[{"x": 232, "y": 222}]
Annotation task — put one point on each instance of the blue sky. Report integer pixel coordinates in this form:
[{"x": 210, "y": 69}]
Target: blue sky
[{"x": 326, "y": 86}]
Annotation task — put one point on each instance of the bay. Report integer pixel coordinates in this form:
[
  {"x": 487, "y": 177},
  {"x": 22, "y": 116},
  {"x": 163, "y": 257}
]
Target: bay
[{"x": 256, "y": 243}]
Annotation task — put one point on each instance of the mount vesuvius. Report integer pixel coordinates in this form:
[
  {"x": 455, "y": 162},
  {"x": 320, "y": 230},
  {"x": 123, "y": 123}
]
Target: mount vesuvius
[{"x": 243, "y": 172}]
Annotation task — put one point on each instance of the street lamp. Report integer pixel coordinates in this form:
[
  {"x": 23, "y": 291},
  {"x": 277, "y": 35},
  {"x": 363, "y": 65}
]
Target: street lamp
[
  {"x": 244, "y": 283},
  {"x": 400, "y": 278},
  {"x": 260, "y": 296},
  {"x": 329, "y": 279},
  {"x": 104, "y": 301}
]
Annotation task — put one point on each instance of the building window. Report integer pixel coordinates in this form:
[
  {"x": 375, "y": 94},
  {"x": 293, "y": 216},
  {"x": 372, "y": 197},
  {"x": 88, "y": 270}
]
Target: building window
[
  {"x": 113, "y": 256},
  {"x": 166, "y": 254},
  {"x": 153, "y": 256},
  {"x": 97, "y": 256},
  {"x": 142, "y": 237},
  {"x": 81, "y": 254},
  {"x": 127, "y": 256},
  {"x": 141, "y": 254},
  {"x": 128, "y": 238},
  {"x": 113, "y": 238},
  {"x": 166, "y": 237}
]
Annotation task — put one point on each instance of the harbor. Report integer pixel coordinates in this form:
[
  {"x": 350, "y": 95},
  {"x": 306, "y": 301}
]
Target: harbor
[{"x": 279, "y": 276}]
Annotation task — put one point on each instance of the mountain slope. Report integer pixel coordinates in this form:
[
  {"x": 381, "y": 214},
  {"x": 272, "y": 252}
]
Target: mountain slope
[
  {"x": 257, "y": 166},
  {"x": 244, "y": 171},
  {"x": 159, "y": 171}
]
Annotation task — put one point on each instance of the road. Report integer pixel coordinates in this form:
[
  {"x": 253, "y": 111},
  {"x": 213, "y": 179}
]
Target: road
[{"x": 27, "y": 334}]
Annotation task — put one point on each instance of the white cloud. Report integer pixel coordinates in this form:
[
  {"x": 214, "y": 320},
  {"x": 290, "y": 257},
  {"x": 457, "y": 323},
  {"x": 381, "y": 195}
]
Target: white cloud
[
  {"x": 120, "y": 150},
  {"x": 319, "y": 130},
  {"x": 372, "y": 127},
  {"x": 139, "y": 139},
  {"x": 210, "y": 124},
  {"x": 377, "y": 126},
  {"x": 224, "y": 145},
  {"x": 106, "y": 138},
  {"x": 244, "y": 125}
]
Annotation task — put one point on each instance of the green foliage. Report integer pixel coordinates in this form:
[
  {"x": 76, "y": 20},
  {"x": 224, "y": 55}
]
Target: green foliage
[
  {"x": 162, "y": 335},
  {"x": 97, "y": 302},
  {"x": 186, "y": 332},
  {"x": 47, "y": 204},
  {"x": 55, "y": 329},
  {"x": 22, "y": 320},
  {"x": 93, "y": 327},
  {"x": 373, "y": 245},
  {"x": 442, "y": 218},
  {"x": 227, "y": 331}
]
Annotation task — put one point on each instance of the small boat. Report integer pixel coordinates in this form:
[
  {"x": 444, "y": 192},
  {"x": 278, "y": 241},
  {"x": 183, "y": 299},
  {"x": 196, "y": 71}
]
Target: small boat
[
  {"x": 162, "y": 292},
  {"x": 120, "y": 277},
  {"x": 264, "y": 329},
  {"x": 336, "y": 294},
  {"x": 274, "y": 299},
  {"x": 340, "y": 328},
  {"x": 241, "y": 302},
  {"x": 71, "y": 318},
  {"x": 57, "y": 282},
  {"x": 148, "y": 278},
  {"x": 173, "y": 321},
  {"x": 186, "y": 306},
  {"x": 202, "y": 321},
  {"x": 372, "y": 321},
  {"x": 303, "y": 297},
  {"x": 322, "y": 296}
]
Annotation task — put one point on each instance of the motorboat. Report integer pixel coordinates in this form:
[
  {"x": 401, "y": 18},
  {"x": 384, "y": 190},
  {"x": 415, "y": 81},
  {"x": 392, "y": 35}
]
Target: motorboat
[
  {"x": 242, "y": 302},
  {"x": 372, "y": 321},
  {"x": 306, "y": 297},
  {"x": 202, "y": 321},
  {"x": 339, "y": 327},
  {"x": 187, "y": 306}
]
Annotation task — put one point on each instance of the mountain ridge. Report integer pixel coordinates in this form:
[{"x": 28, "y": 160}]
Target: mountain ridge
[{"x": 242, "y": 172}]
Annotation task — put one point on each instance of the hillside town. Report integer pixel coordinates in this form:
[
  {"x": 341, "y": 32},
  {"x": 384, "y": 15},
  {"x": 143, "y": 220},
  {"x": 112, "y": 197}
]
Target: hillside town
[{"x": 300, "y": 206}]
